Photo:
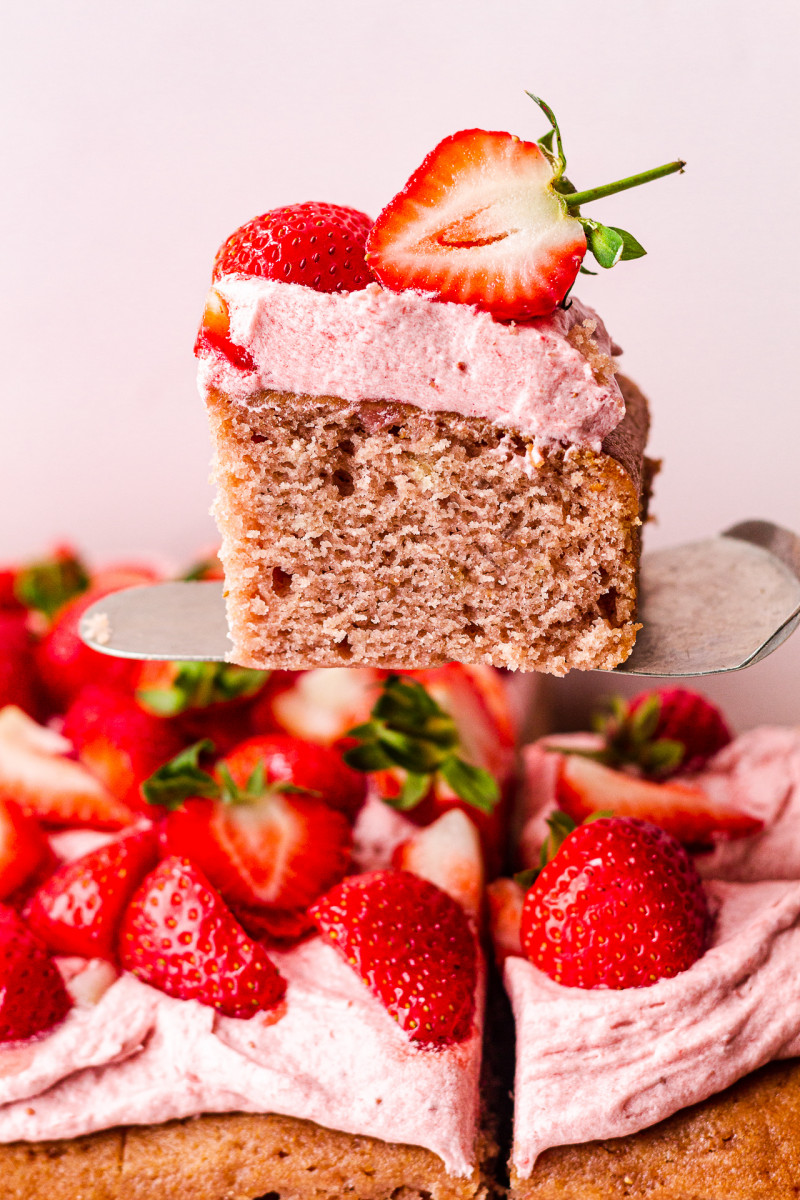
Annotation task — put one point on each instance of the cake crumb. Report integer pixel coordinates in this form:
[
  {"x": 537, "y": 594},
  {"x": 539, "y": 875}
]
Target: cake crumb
[
  {"x": 582, "y": 338},
  {"x": 97, "y": 628}
]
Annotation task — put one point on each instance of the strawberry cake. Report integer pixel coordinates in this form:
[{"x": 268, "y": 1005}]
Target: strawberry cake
[
  {"x": 422, "y": 450},
  {"x": 653, "y": 1007},
  {"x": 239, "y": 922}
]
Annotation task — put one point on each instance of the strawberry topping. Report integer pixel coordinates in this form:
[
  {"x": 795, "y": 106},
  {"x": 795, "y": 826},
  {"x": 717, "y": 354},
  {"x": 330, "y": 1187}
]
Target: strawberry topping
[
  {"x": 32, "y": 993},
  {"x": 77, "y": 911},
  {"x": 319, "y": 245},
  {"x": 179, "y": 936},
  {"x": 412, "y": 945},
  {"x": 686, "y": 718},
  {"x": 620, "y": 905},
  {"x": 584, "y": 787}
]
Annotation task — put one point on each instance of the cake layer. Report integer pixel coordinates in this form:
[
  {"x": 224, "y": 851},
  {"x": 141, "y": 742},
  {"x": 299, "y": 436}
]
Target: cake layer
[
  {"x": 550, "y": 379},
  {"x": 743, "y": 1144},
  {"x": 375, "y": 533},
  {"x": 236, "y": 1157}
]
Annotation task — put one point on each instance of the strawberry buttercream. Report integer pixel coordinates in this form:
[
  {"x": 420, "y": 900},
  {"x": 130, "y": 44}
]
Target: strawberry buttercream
[
  {"x": 330, "y": 1054},
  {"x": 550, "y": 379},
  {"x": 758, "y": 773},
  {"x": 602, "y": 1064}
]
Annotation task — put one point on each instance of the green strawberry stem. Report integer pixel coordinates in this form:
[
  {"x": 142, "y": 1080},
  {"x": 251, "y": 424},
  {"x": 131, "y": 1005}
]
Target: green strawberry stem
[{"x": 576, "y": 199}]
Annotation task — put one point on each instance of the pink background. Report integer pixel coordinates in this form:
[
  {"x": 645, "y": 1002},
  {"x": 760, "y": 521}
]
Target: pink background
[{"x": 136, "y": 137}]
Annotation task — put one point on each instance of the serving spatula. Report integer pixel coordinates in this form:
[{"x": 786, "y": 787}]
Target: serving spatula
[{"x": 706, "y": 607}]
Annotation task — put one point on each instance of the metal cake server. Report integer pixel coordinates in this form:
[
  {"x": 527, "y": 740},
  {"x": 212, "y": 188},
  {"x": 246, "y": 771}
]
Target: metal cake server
[{"x": 707, "y": 607}]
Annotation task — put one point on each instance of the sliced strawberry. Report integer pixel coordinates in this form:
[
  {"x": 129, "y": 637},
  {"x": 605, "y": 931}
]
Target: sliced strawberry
[
  {"x": 447, "y": 853},
  {"x": 584, "y": 787},
  {"x": 117, "y": 741},
  {"x": 23, "y": 848},
  {"x": 292, "y": 760},
  {"x": 32, "y": 993},
  {"x": 412, "y": 945},
  {"x": 36, "y": 773},
  {"x": 505, "y": 898},
  {"x": 281, "y": 927},
  {"x": 77, "y": 911},
  {"x": 321, "y": 705},
  {"x": 278, "y": 851},
  {"x": 178, "y": 936},
  {"x": 479, "y": 222}
]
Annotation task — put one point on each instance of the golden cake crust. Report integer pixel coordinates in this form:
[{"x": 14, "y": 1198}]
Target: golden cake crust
[
  {"x": 235, "y": 1157},
  {"x": 743, "y": 1144}
]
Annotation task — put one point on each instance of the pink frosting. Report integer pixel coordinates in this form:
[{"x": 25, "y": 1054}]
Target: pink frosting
[
  {"x": 332, "y": 1055},
  {"x": 758, "y": 773},
  {"x": 377, "y": 345},
  {"x": 603, "y": 1064}
]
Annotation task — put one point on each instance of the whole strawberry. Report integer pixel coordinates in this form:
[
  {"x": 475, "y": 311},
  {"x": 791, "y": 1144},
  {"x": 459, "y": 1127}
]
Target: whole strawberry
[
  {"x": 318, "y": 245},
  {"x": 179, "y": 936},
  {"x": 413, "y": 947},
  {"x": 77, "y": 911},
  {"x": 620, "y": 905},
  {"x": 686, "y": 718},
  {"x": 32, "y": 993}
]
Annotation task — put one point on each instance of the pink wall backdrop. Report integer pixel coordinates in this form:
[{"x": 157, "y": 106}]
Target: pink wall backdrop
[{"x": 136, "y": 137}]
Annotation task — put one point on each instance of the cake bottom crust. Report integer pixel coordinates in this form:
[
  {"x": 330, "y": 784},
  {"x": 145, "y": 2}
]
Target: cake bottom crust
[
  {"x": 235, "y": 1157},
  {"x": 743, "y": 1144}
]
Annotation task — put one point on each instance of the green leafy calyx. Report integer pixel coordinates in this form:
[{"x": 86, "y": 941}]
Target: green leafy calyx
[
  {"x": 46, "y": 586},
  {"x": 182, "y": 778},
  {"x": 608, "y": 243},
  {"x": 408, "y": 729},
  {"x": 200, "y": 684},
  {"x": 629, "y": 739}
]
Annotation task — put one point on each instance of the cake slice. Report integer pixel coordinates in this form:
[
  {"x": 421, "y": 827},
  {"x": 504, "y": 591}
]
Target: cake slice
[
  {"x": 421, "y": 450},
  {"x": 403, "y": 483}
]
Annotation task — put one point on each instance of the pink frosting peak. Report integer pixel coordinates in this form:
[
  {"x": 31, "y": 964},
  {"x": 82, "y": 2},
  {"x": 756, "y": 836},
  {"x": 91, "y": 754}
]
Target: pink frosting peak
[
  {"x": 603, "y": 1064},
  {"x": 550, "y": 379}
]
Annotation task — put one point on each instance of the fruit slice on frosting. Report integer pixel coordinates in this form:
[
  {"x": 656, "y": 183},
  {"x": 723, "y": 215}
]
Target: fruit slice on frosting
[{"x": 491, "y": 220}]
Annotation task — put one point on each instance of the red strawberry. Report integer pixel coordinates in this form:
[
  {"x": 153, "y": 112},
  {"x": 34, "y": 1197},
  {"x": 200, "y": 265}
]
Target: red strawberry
[
  {"x": 18, "y": 676},
  {"x": 77, "y": 911},
  {"x": 686, "y": 812},
  {"x": 303, "y": 764},
  {"x": 178, "y": 936},
  {"x": 318, "y": 245},
  {"x": 490, "y": 220},
  {"x": 207, "y": 700},
  {"x": 505, "y": 898},
  {"x": 412, "y": 945},
  {"x": 480, "y": 223},
  {"x": 117, "y": 741},
  {"x": 9, "y": 601},
  {"x": 274, "y": 925},
  {"x": 23, "y": 848},
  {"x": 66, "y": 664},
  {"x": 36, "y": 773},
  {"x": 688, "y": 718},
  {"x": 32, "y": 993},
  {"x": 621, "y": 905}
]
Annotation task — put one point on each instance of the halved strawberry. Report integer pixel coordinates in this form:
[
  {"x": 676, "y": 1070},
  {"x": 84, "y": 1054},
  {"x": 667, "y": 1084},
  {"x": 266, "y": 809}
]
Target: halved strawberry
[
  {"x": 584, "y": 787},
  {"x": 490, "y": 220},
  {"x": 413, "y": 947},
  {"x": 118, "y": 742},
  {"x": 286, "y": 759},
  {"x": 36, "y": 773},
  {"x": 262, "y": 844},
  {"x": 32, "y": 993},
  {"x": 178, "y": 936},
  {"x": 321, "y": 705},
  {"x": 479, "y": 222},
  {"x": 77, "y": 911},
  {"x": 447, "y": 853},
  {"x": 23, "y": 848}
]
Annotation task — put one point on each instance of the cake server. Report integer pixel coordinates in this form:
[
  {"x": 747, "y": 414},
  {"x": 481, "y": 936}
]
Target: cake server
[{"x": 707, "y": 607}]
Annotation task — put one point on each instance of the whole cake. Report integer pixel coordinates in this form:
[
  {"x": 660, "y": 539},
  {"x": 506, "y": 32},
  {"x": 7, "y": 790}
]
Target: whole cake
[{"x": 421, "y": 448}]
